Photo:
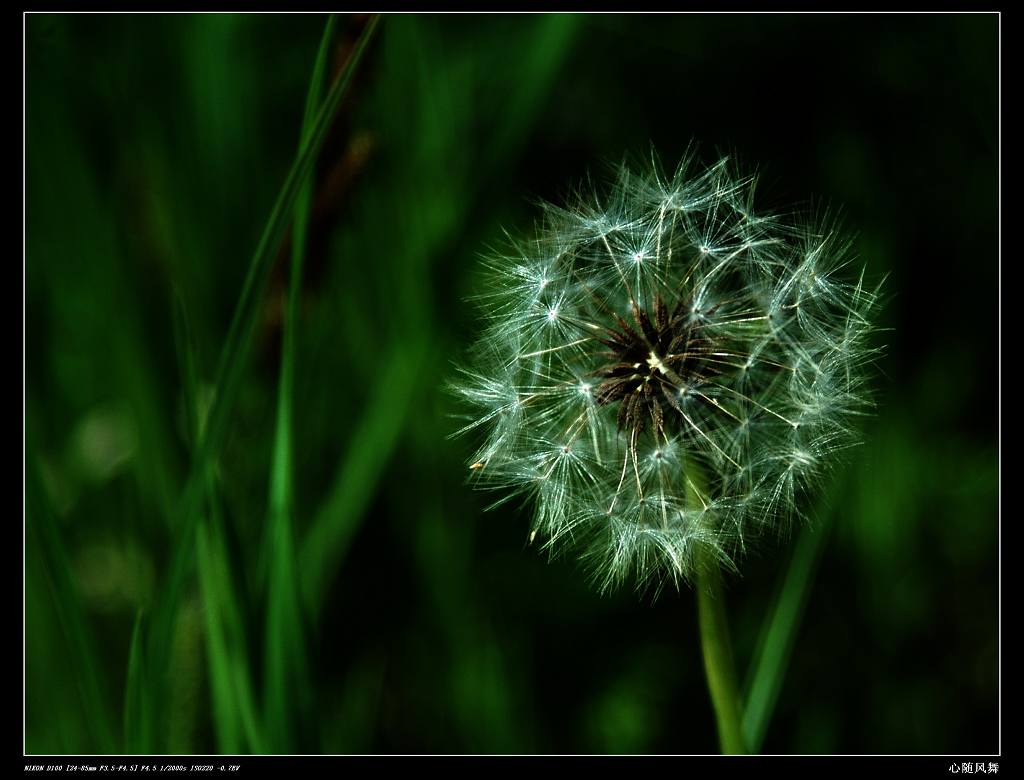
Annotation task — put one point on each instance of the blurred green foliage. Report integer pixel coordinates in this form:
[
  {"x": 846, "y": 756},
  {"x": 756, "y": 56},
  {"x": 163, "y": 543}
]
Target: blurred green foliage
[{"x": 384, "y": 610}]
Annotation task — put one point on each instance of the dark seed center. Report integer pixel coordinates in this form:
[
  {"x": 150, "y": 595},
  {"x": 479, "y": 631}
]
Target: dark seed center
[{"x": 650, "y": 364}]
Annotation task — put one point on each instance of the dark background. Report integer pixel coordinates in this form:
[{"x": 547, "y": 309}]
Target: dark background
[{"x": 155, "y": 148}]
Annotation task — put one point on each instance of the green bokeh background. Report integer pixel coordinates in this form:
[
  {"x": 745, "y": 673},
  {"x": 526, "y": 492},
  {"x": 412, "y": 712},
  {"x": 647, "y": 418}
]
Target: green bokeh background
[{"x": 156, "y": 146}]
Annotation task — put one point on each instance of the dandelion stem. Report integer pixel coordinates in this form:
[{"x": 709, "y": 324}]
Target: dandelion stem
[
  {"x": 719, "y": 667},
  {"x": 718, "y": 661}
]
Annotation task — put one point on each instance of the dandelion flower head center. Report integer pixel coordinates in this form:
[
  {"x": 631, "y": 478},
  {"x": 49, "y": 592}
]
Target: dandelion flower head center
[{"x": 649, "y": 362}]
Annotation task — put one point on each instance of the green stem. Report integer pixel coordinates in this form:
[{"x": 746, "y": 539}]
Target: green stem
[{"x": 718, "y": 662}]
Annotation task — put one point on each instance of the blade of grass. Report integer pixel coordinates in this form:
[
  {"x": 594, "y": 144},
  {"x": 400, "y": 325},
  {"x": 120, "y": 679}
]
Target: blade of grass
[
  {"x": 185, "y": 350},
  {"x": 235, "y": 717},
  {"x": 235, "y": 710},
  {"x": 222, "y": 691},
  {"x": 768, "y": 670},
  {"x": 286, "y": 673},
  {"x": 138, "y": 735},
  {"x": 358, "y": 473},
  {"x": 44, "y": 536},
  {"x": 225, "y": 718},
  {"x": 441, "y": 135},
  {"x": 234, "y": 357},
  {"x": 549, "y": 47},
  {"x": 227, "y": 655}
]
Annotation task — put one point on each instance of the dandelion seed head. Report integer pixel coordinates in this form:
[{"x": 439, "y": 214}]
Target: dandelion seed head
[{"x": 664, "y": 371}]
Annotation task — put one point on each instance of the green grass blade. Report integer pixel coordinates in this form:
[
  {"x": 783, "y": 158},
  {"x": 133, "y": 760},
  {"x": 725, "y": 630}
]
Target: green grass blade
[
  {"x": 138, "y": 735},
  {"x": 235, "y": 353},
  {"x": 222, "y": 694},
  {"x": 185, "y": 350},
  {"x": 355, "y": 481},
  {"x": 549, "y": 47},
  {"x": 225, "y": 718},
  {"x": 768, "y": 670},
  {"x": 288, "y": 692},
  {"x": 234, "y": 718},
  {"x": 43, "y": 538},
  {"x": 442, "y": 132}
]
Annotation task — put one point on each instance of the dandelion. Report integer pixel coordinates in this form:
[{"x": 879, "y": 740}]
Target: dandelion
[{"x": 665, "y": 371}]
